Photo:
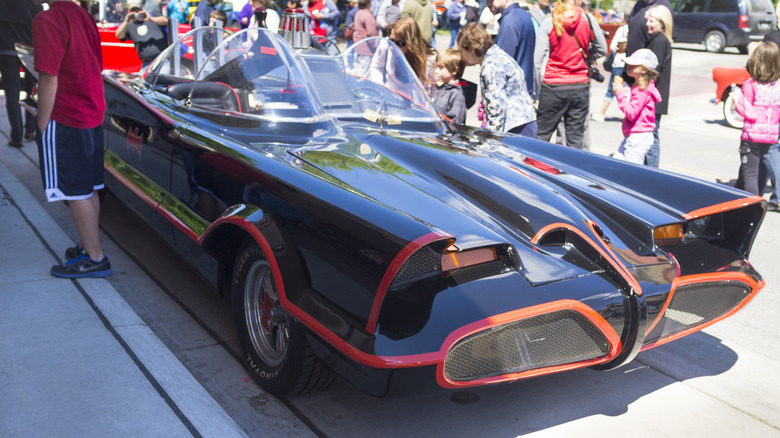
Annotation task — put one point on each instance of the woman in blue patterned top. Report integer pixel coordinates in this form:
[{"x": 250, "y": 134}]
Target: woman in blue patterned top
[{"x": 508, "y": 106}]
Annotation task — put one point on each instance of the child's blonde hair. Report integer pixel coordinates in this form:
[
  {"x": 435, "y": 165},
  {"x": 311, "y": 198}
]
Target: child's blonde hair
[
  {"x": 764, "y": 63},
  {"x": 452, "y": 61},
  {"x": 645, "y": 76}
]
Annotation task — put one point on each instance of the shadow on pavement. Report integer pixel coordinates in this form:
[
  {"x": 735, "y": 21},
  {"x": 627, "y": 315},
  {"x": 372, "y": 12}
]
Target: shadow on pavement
[
  {"x": 535, "y": 404},
  {"x": 691, "y": 47},
  {"x": 721, "y": 122}
]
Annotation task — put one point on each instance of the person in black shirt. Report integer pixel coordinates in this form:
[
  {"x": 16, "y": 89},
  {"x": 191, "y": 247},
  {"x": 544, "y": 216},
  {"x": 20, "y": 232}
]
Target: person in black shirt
[
  {"x": 144, "y": 31},
  {"x": 16, "y": 25}
]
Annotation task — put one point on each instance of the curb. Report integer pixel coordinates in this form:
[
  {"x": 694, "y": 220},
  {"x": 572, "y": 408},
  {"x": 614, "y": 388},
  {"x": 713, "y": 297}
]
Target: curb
[{"x": 192, "y": 403}]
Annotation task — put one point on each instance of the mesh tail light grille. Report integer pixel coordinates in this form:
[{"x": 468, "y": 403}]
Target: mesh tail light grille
[
  {"x": 549, "y": 339},
  {"x": 697, "y": 304},
  {"x": 423, "y": 262}
]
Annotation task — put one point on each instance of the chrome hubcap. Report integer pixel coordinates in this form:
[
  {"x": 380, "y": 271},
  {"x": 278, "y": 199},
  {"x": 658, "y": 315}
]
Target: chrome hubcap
[
  {"x": 265, "y": 319},
  {"x": 714, "y": 41}
]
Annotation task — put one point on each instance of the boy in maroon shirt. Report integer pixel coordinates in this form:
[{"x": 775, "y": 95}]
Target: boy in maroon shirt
[{"x": 71, "y": 106}]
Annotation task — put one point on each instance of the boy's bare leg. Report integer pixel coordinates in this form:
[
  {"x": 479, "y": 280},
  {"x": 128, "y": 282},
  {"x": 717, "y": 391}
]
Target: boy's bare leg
[{"x": 86, "y": 216}]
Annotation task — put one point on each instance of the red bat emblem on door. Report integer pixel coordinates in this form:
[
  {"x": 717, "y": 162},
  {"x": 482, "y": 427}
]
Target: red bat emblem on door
[{"x": 135, "y": 141}]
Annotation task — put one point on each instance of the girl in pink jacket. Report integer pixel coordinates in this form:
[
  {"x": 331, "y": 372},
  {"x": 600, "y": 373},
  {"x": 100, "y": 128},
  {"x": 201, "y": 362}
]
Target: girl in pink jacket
[
  {"x": 638, "y": 106},
  {"x": 759, "y": 105}
]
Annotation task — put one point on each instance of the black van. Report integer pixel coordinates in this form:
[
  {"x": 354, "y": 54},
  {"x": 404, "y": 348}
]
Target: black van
[{"x": 723, "y": 23}]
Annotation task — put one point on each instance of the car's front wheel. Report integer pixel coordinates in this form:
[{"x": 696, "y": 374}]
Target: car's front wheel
[
  {"x": 273, "y": 343},
  {"x": 715, "y": 41},
  {"x": 730, "y": 111}
]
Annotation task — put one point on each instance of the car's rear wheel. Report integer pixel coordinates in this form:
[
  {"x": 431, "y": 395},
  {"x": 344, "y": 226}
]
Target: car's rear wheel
[
  {"x": 273, "y": 343},
  {"x": 730, "y": 111},
  {"x": 715, "y": 41}
]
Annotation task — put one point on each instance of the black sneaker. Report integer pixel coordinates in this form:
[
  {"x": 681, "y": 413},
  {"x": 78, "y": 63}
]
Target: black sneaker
[
  {"x": 773, "y": 206},
  {"x": 82, "y": 267},
  {"x": 74, "y": 252}
]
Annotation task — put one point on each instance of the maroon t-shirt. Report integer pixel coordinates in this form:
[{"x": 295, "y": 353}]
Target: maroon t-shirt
[{"x": 67, "y": 45}]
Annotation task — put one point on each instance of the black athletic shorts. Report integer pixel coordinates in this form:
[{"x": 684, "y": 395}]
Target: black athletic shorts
[{"x": 71, "y": 161}]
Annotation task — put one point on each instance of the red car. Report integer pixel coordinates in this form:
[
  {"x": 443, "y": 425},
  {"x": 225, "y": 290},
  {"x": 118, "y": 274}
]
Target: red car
[
  {"x": 727, "y": 80},
  {"x": 117, "y": 55}
]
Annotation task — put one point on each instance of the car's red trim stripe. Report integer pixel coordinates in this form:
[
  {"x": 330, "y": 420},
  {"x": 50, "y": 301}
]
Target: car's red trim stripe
[
  {"x": 438, "y": 357},
  {"x": 392, "y": 270},
  {"x": 435, "y": 357},
  {"x": 603, "y": 250},
  {"x": 594, "y": 317},
  {"x": 754, "y": 285},
  {"x": 309, "y": 321},
  {"x": 626, "y": 273},
  {"x": 717, "y": 208}
]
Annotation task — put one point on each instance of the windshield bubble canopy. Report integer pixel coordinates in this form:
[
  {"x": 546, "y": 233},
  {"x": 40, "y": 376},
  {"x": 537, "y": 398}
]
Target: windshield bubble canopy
[{"x": 256, "y": 72}]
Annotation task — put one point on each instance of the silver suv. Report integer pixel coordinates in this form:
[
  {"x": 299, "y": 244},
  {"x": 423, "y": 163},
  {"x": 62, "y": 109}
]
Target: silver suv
[{"x": 723, "y": 23}]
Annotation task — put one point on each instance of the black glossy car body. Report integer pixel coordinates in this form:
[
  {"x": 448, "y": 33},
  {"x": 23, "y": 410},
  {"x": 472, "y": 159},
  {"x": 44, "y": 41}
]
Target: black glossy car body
[{"x": 359, "y": 233}]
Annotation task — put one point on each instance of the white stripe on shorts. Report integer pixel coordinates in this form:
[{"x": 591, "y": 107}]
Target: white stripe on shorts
[
  {"x": 49, "y": 155},
  {"x": 49, "y": 164}
]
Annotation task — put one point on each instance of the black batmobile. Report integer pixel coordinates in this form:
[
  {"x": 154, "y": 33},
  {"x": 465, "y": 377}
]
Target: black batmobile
[{"x": 360, "y": 234}]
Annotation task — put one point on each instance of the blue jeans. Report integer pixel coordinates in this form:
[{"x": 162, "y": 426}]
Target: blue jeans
[
  {"x": 454, "y": 28},
  {"x": 653, "y": 157},
  {"x": 771, "y": 162},
  {"x": 616, "y": 71}
]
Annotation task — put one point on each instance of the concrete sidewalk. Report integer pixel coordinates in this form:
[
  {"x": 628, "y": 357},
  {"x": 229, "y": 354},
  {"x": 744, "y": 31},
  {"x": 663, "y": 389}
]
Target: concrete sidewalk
[{"x": 75, "y": 359}]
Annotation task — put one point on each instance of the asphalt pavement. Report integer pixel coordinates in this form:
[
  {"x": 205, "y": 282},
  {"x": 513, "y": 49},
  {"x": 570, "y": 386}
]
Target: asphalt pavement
[{"x": 75, "y": 359}]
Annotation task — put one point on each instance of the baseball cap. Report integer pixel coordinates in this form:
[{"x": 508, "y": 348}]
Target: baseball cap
[
  {"x": 643, "y": 57},
  {"x": 621, "y": 39},
  {"x": 133, "y": 4}
]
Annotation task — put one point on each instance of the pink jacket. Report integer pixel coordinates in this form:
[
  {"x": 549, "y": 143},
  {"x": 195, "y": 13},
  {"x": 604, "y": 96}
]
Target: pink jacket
[
  {"x": 638, "y": 108},
  {"x": 759, "y": 105}
]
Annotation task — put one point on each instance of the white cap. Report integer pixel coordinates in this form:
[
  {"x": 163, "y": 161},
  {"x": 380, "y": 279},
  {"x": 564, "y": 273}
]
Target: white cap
[
  {"x": 133, "y": 4},
  {"x": 643, "y": 57}
]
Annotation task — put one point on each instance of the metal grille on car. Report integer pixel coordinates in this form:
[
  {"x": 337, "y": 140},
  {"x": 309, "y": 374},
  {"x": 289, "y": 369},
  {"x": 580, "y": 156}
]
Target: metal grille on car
[
  {"x": 697, "y": 304},
  {"x": 422, "y": 262},
  {"x": 556, "y": 338}
]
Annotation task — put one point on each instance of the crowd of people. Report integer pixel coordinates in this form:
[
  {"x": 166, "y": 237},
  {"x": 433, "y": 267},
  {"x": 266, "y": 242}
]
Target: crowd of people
[{"x": 536, "y": 65}]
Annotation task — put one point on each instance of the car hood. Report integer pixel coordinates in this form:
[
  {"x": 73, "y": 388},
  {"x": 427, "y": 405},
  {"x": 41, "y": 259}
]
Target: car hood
[{"x": 482, "y": 193}]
